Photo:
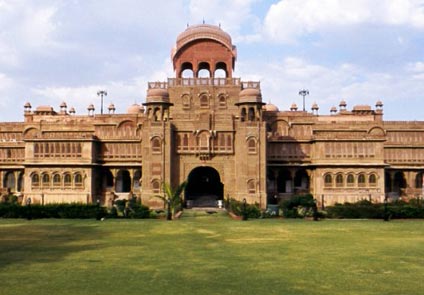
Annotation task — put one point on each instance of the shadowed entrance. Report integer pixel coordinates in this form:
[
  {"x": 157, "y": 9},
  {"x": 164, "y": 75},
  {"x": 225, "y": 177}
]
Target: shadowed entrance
[{"x": 204, "y": 187}]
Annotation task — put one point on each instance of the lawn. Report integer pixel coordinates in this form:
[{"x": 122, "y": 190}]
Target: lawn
[{"x": 211, "y": 254}]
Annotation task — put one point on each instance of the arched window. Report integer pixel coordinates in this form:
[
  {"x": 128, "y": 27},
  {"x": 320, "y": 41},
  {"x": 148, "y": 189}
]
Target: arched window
[
  {"x": 187, "y": 70},
  {"x": 186, "y": 99},
  {"x": 155, "y": 186},
  {"x": 221, "y": 70},
  {"x": 156, "y": 145},
  {"x": 251, "y": 146},
  {"x": 251, "y": 114},
  {"x": 203, "y": 141},
  {"x": 78, "y": 180},
  {"x": 361, "y": 180},
  {"x": 204, "y": 101},
  {"x": 137, "y": 179},
  {"x": 372, "y": 180},
  {"x": 56, "y": 180},
  {"x": 156, "y": 114},
  {"x": 251, "y": 188},
  {"x": 46, "y": 180},
  {"x": 9, "y": 181},
  {"x": 339, "y": 180},
  {"x": 222, "y": 101},
  {"x": 67, "y": 180},
  {"x": 243, "y": 115},
  {"x": 220, "y": 73},
  {"x": 35, "y": 181},
  {"x": 350, "y": 180},
  {"x": 328, "y": 180},
  {"x": 123, "y": 181}
]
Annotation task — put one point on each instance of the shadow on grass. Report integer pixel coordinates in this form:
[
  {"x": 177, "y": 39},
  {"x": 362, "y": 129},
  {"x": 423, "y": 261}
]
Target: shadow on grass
[{"x": 25, "y": 243}]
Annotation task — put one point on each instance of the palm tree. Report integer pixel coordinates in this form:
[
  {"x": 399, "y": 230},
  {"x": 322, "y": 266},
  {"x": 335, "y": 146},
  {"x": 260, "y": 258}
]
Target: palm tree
[{"x": 172, "y": 198}]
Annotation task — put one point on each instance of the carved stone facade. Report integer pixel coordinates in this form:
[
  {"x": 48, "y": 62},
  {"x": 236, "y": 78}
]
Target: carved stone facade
[{"x": 213, "y": 130}]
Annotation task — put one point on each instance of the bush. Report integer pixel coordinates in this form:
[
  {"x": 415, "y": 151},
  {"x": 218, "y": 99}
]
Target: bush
[
  {"x": 236, "y": 207},
  {"x": 78, "y": 211},
  {"x": 359, "y": 210},
  {"x": 131, "y": 208},
  {"x": 299, "y": 206},
  {"x": 367, "y": 210}
]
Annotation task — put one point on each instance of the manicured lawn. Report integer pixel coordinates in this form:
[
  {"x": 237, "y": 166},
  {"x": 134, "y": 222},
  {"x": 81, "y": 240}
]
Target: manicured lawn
[{"x": 211, "y": 255}]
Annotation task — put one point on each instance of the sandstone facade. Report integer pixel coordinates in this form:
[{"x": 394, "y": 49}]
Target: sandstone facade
[{"x": 212, "y": 129}]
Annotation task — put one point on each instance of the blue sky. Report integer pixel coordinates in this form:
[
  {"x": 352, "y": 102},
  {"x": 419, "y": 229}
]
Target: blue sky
[{"x": 360, "y": 51}]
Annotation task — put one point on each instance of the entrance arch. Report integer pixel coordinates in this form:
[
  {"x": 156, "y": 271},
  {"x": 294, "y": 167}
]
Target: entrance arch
[{"x": 204, "y": 187}]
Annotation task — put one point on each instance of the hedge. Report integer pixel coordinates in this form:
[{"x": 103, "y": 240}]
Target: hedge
[
  {"x": 79, "y": 211},
  {"x": 367, "y": 210}
]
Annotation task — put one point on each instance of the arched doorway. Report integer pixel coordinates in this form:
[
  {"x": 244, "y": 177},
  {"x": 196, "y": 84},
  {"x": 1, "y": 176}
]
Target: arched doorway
[
  {"x": 123, "y": 182},
  {"x": 204, "y": 187}
]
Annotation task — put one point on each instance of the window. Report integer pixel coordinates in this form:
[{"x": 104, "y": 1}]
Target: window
[
  {"x": 67, "y": 180},
  {"x": 186, "y": 101},
  {"x": 46, "y": 180},
  {"x": 350, "y": 180},
  {"x": 243, "y": 115},
  {"x": 56, "y": 180},
  {"x": 35, "y": 181},
  {"x": 361, "y": 180},
  {"x": 251, "y": 186},
  {"x": 222, "y": 101},
  {"x": 339, "y": 180},
  {"x": 372, "y": 180},
  {"x": 78, "y": 179},
  {"x": 328, "y": 180},
  {"x": 156, "y": 186},
  {"x": 251, "y": 146},
  {"x": 251, "y": 114},
  {"x": 156, "y": 145},
  {"x": 204, "y": 101}
]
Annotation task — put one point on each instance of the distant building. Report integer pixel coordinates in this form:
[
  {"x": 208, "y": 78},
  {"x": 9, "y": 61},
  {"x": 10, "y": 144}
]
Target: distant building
[{"x": 214, "y": 130}]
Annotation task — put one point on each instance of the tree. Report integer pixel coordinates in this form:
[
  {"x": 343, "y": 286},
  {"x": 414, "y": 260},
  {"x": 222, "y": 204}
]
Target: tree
[{"x": 172, "y": 198}]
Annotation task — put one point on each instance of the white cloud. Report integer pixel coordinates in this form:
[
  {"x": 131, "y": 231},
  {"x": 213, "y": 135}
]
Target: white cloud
[
  {"x": 288, "y": 20},
  {"x": 328, "y": 85},
  {"x": 233, "y": 15}
]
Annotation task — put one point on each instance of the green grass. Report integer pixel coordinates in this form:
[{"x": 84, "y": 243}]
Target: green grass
[{"x": 211, "y": 254}]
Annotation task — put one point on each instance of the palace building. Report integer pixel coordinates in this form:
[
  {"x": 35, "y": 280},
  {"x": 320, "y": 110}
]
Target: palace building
[{"x": 213, "y": 130}]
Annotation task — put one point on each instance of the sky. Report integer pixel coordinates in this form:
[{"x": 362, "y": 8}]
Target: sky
[{"x": 359, "y": 51}]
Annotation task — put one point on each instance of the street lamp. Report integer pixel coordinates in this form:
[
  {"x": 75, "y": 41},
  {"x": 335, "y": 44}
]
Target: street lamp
[
  {"x": 244, "y": 213},
  {"x": 303, "y": 93},
  {"x": 386, "y": 213},
  {"x": 101, "y": 93}
]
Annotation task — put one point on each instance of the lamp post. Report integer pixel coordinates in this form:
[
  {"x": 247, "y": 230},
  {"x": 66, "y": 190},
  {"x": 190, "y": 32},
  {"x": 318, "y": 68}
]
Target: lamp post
[
  {"x": 101, "y": 93},
  {"x": 386, "y": 213},
  {"x": 29, "y": 210},
  {"x": 244, "y": 212},
  {"x": 303, "y": 93}
]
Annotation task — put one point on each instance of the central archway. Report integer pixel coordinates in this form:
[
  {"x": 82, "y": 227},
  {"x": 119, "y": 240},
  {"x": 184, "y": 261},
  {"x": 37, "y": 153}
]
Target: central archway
[{"x": 204, "y": 187}]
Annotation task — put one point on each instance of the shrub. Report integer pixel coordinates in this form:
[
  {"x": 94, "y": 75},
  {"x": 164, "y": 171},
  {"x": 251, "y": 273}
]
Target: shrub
[
  {"x": 299, "y": 206},
  {"x": 368, "y": 210},
  {"x": 251, "y": 210},
  {"x": 79, "y": 211}
]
